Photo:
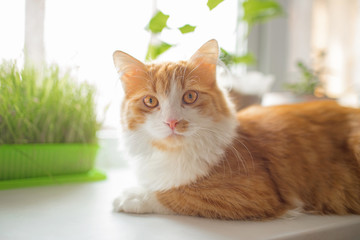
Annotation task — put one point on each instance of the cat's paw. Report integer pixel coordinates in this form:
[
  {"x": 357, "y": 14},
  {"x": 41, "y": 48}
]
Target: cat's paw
[
  {"x": 138, "y": 200},
  {"x": 132, "y": 201}
]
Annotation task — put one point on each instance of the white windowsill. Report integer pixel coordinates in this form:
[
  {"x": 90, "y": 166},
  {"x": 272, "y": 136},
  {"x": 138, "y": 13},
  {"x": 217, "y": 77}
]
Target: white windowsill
[{"x": 84, "y": 211}]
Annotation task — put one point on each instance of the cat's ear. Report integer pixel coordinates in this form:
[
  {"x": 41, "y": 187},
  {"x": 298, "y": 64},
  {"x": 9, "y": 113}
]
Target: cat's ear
[
  {"x": 205, "y": 60},
  {"x": 132, "y": 72}
]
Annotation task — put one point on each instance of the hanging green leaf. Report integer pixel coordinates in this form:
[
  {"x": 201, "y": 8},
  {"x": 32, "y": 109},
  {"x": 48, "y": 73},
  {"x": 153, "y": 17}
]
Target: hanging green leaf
[
  {"x": 155, "y": 50},
  {"x": 260, "y": 10},
  {"x": 158, "y": 22},
  {"x": 232, "y": 59},
  {"x": 213, "y": 3},
  {"x": 187, "y": 29}
]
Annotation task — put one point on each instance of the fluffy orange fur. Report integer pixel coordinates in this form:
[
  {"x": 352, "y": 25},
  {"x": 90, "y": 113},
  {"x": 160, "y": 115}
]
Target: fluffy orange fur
[
  {"x": 282, "y": 155},
  {"x": 154, "y": 80}
]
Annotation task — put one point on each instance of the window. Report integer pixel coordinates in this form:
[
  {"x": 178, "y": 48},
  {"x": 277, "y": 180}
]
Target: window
[
  {"x": 84, "y": 34},
  {"x": 309, "y": 28}
]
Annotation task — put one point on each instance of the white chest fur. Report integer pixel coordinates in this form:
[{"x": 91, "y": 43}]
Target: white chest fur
[{"x": 162, "y": 170}]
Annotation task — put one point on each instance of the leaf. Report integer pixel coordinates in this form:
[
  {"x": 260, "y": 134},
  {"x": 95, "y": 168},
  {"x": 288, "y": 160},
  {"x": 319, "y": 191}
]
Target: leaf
[
  {"x": 158, "y": 22},
  {"x": 232, "y": 59},
  {"x": 154, "y": 51},
  {"x": 213, "y": 3},
  {"x": 260, "y": 10},
  {"x": 187, "y": 29}
]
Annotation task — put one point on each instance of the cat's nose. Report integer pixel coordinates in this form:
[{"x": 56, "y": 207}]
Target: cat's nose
[{"x": 172, "y": 123}]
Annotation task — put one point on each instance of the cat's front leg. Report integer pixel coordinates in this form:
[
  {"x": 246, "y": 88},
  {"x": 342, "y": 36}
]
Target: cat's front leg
[{"x": 139, "y": 200}]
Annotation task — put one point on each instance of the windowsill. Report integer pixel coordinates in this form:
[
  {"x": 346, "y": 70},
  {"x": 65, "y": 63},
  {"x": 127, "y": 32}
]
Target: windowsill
[{"x": 84, "y": 211}]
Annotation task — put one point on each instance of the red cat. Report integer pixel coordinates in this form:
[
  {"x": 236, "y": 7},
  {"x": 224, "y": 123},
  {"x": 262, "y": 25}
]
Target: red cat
[{"x": 196, "y": 156}]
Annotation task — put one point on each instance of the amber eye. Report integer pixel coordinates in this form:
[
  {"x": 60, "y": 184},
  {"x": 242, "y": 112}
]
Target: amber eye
[
  {"x": 190, "y": 97},
  {"x": 150, "y": 101}
]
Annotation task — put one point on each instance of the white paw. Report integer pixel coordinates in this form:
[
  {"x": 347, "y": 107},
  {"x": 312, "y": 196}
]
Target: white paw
[{"x": 137, "y": 200}]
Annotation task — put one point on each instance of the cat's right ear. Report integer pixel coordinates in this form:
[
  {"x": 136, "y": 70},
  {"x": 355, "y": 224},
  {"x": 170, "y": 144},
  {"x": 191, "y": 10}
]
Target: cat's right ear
[{"x": 132, "y": 72}]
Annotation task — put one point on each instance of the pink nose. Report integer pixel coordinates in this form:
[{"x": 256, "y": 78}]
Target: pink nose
[{"x": 172, "y": 123}]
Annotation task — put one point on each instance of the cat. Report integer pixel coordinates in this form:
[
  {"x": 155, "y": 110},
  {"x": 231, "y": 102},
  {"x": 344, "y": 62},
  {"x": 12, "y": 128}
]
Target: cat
[{"x": 196, "y": 156}]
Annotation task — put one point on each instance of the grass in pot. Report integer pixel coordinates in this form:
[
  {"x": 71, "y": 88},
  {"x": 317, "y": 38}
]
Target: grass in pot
[{"x": 47, "y": 127}]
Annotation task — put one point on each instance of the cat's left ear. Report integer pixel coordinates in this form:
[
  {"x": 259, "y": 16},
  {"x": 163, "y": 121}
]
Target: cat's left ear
[{"x": 205, "y": 60}]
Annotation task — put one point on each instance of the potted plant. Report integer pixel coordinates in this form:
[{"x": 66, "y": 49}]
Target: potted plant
[
  {"x": 47, "y": 127},
  {"x": 308, "y": 87}
]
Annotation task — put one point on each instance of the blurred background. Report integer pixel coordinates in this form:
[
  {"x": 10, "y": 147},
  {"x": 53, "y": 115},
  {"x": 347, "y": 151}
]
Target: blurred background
[
  {"x": 320, "y": 34},
  {"x": 274, "y": 51}
]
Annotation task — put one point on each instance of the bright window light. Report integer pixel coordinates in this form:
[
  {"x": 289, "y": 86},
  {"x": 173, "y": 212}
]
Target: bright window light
[{"x": 83, "y": 34}]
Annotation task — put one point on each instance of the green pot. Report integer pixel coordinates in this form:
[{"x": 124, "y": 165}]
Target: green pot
[{"x": 46, "y": 161}]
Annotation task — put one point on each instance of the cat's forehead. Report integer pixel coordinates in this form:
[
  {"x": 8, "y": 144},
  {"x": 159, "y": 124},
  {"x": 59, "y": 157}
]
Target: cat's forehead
[{"x": 167, "y": 77}]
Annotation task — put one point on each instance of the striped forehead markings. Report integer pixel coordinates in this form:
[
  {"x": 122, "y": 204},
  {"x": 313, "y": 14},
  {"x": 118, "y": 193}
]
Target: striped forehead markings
[{"x": 168, "y": 77}]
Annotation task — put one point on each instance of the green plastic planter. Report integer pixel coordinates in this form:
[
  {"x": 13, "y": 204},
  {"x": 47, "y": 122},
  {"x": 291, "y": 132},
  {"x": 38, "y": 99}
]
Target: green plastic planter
[{"x": 42, "y": 164}]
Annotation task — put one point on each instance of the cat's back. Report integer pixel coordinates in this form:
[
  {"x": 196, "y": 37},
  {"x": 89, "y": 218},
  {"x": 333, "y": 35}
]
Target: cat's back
[
  {"x": 318, "y": 112},
  {"x": 321, "y": 129},
  {"x": 320, "y": 119},
  {"x": 311, "y": 150}
]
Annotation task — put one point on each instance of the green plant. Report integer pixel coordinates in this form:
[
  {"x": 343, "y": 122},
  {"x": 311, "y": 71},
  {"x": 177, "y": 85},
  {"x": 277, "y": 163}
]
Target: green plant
[
  {"x": 45, "y": 106},
  {"x": 255, "y": 11},
  {"x": 233, "y": 59},
  {"x": 260, "y": 11},
  {"x": 308, "y": 83}
]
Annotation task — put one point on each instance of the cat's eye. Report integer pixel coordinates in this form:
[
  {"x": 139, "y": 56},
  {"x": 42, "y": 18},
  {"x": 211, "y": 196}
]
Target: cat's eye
[
  {"x": 150, "y": 101},
  {"x": 190, "y": 97}
]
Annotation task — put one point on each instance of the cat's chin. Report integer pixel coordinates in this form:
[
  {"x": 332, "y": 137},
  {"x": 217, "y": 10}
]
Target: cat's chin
[
  {"x": 172, "y": 142},
  {"x": 175, "y": 136}
]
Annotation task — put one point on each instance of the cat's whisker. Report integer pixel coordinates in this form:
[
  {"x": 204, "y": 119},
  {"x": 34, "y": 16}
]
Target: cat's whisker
[
  {"x": 247, "y": 149},
  {"x": 235, "y": 152}
]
